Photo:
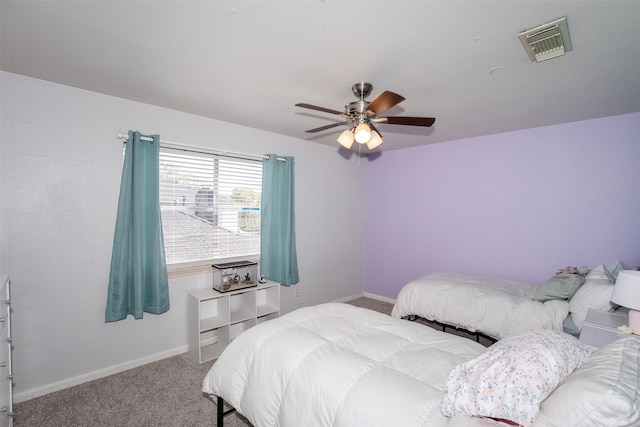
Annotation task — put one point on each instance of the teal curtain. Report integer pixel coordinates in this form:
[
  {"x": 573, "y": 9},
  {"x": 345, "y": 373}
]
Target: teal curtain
[
  {"x": 138, "y": 279},
  {"x": 278, "y": 258}
]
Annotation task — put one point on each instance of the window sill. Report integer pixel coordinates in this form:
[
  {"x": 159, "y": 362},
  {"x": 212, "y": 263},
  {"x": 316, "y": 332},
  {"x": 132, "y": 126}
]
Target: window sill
[{"x": 190, "y": 269}]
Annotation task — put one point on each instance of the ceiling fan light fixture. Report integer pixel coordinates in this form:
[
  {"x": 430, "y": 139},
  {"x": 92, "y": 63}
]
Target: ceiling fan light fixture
[
  {"x": 375, "y": 140},
  {"x": 346, "y": 139},
  {"x": 362, "y": 117},
  {"x": 362, "y": 133}
]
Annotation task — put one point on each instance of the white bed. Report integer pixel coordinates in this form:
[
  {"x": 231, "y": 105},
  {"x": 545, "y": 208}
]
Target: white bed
[
  {"x": 498, "y": 307},
  {"x": 340, "y": 365},
  {"x": 492, "y": 306}
]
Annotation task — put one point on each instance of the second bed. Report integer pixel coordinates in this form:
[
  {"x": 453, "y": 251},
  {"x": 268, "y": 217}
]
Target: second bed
[{"x": 490, "y": 306}]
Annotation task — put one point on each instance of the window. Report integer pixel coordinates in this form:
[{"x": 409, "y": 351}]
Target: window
[{"x": 210, "y": 206}]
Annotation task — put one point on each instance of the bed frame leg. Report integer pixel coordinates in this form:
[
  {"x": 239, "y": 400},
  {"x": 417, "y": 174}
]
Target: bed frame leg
[
  {"x": 220, "y": 417},
  {"x": 221, "y": 413}
]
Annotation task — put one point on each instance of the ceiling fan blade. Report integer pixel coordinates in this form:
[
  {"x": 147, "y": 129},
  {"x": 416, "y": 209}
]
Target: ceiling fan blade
[
  {"x": 384, "y": 101},
  {"x": 371, "y": 125},
  {"x": 326, "y": 110},
  {"x": 332, "y": 125},
  {"x": 410, "y": 121}
]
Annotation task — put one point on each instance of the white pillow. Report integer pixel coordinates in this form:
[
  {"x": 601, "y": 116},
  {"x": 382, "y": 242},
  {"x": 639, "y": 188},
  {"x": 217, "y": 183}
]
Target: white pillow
[
  {"x": 511, "y": 379},
  {"x": 604, "y": 388},
  {"x": 595, "y": 293}
]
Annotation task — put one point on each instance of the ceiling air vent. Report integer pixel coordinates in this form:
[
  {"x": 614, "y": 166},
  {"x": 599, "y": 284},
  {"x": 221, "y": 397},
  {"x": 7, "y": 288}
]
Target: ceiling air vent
[{"x": 547, "y": 41}]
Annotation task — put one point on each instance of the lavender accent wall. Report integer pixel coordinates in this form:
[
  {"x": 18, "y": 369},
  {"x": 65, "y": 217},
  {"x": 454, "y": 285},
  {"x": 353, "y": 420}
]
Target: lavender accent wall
[{"x": 517, "y": 205}]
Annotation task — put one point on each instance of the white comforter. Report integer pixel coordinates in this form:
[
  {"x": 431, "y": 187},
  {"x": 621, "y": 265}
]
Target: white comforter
[
  {"x": 340, "y": 365},
  {"x": 493, "y": 306}
]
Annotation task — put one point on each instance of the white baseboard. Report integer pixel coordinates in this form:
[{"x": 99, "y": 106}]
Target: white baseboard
[
  {"x": 347, "y": 299},
  {"x": 101, "y": 373},
  {"x": 379, "y": 298},
  {"x": 368, "y": 295}
]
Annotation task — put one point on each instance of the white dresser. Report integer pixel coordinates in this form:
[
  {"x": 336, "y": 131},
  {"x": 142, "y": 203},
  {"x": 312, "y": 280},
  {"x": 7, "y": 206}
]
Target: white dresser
[{"x": 6, "y": 370}]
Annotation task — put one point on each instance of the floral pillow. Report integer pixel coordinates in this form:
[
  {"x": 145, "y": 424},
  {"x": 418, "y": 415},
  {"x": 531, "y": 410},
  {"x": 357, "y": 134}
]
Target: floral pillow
[{"x": 512, "y": 378}]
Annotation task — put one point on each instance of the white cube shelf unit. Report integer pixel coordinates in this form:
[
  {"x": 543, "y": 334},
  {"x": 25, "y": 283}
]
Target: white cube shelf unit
[{"x": 216, "y": 319}]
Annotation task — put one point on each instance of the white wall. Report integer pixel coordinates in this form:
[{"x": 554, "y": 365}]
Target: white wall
[{"x": 61, "y": 166}]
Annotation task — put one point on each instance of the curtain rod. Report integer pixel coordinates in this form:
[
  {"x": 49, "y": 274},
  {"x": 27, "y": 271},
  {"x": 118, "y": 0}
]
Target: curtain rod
[{"x": 179, "y": 146}]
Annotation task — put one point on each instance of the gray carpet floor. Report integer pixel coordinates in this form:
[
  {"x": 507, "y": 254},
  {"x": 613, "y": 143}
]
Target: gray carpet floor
[{"x": 163, "y": 393}]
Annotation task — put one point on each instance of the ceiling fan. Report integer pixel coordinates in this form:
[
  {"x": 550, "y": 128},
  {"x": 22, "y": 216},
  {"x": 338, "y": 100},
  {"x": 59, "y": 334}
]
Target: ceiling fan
[{"x": 362, "y": 116}]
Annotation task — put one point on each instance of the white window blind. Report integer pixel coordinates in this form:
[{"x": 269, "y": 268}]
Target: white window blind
[{"x": 210, "y": 206}]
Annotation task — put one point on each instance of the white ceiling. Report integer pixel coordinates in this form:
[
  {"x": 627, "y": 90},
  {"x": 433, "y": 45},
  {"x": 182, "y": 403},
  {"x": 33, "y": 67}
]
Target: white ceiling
[{"x": 249, "y": 62}]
